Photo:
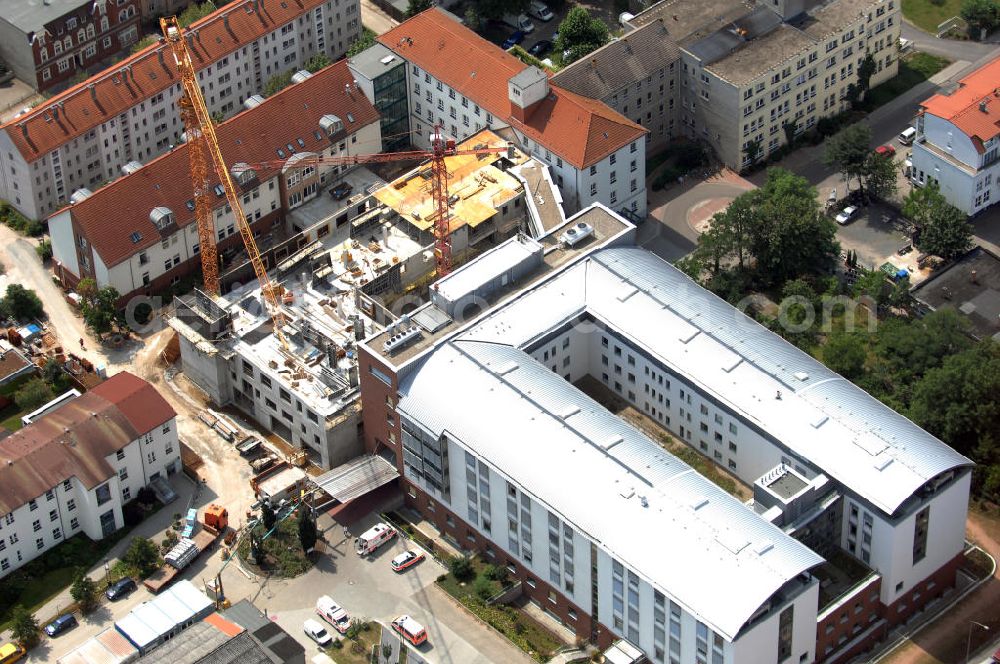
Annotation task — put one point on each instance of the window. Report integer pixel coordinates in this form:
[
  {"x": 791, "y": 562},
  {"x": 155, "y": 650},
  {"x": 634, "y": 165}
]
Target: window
[
  {"x": 74, "y": 523},
  {"x": 71, "y": 504}
]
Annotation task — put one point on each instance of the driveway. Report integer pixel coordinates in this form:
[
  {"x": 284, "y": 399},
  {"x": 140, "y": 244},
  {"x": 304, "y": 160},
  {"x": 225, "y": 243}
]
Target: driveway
[{"x": 368, "y": 588}]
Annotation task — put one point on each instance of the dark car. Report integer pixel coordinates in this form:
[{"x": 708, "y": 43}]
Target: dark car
[
  {"x": 540, "y": 48},
  {"x": 61, "y": 624},
  {"x": 341, "y": 191},
  {"x": 516, "y": 38},
  {"x": 119, "y": 589}
]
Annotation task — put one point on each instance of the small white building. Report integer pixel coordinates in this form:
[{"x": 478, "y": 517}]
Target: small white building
[
  {"x": 72, "y": 470},
  {"x": 958, "y": 141}
]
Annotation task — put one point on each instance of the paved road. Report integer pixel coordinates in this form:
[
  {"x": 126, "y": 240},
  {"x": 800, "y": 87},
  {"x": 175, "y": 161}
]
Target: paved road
[
  {"x": 368, "y": 588},
  {"x": 948, "y": 48}
]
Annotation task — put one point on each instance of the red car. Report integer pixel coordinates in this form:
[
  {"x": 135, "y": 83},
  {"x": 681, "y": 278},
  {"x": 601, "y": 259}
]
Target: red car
[
  {"x": 406, "y": 560},
  {"x": 885, "y": 151}
]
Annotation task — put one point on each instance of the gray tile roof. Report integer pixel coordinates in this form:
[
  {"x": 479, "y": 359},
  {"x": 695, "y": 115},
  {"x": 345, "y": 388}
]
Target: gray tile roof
[
  {"x": 637, "y": 55},
  {"x": 31, "y": 15}
]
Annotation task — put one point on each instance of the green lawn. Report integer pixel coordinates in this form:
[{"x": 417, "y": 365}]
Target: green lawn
[
  {"x": 42, "y": 590},
  {"x": 913, "y": 70},
  {"x": 927, "y": 15},
  {"x": 522, "y": 630},
  {"x": 10, "y": 417}
]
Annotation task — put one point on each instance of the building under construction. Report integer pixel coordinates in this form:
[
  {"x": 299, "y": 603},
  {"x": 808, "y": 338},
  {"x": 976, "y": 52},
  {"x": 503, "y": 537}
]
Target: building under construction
[{"x": 332, "y": 283}]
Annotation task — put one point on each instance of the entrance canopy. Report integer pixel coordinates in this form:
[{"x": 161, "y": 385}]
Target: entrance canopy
[{"x": 356, "y": 477}]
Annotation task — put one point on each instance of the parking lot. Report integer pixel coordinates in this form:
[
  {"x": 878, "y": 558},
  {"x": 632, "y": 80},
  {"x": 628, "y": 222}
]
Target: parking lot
[
  {"x": 368, "y": 588},
  {"x": 876, "y": 234}
]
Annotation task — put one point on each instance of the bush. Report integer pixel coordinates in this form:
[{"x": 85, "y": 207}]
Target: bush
[
  {"x": 146, "y": 496},
  {"x": 132, "y": 513},
  {"x": 496, "y": 573},
  {"x": 483, "y": 588},
  {"x": 24, "y": 627},
  {"x": 21, "y": 303},
  {"x": 461, "y": 568},
  {"x": 33, "y": 394},
  {"x": 690, "y": 155},
  {"x": 44, "y": 250},
  {"x": 17, "y": 221}
]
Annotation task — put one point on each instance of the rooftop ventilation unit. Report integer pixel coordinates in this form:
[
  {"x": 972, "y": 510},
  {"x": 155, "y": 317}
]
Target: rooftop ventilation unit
[
  {"x": 577, "y": 234},
  {"x": 80, "y": 194},
  {"x": 401, "y": 338}
]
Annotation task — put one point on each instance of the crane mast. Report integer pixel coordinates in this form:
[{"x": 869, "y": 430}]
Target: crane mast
[{"x": 201, "y": 134}]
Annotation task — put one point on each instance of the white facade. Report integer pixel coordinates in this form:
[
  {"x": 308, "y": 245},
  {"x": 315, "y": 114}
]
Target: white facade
[
  {"x": 432, "y": 101},
  {"x": 152, "y": 125},
  {"x": 944, "y": 154},
  {"x": 69, "y": 508}
]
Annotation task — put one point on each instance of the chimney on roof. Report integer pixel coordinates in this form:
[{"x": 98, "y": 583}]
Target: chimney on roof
[
  {"x": 526, "y": 90},
  {"x": 93, "y": 92},
  {"x": 229, "y": 29}
]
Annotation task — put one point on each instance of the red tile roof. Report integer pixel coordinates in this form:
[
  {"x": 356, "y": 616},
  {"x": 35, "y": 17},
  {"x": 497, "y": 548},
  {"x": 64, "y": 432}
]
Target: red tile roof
[
  {"x": 580, "y": 130},
  {"x": 74, "y": 439},
  {"x": 252, "y": 136},
  {"x": 150, "y": 71},
  {"x": 975, "y": 106}
]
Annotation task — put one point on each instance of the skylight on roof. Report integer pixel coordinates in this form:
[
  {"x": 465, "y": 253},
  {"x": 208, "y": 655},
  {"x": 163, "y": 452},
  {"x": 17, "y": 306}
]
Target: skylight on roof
[
  {"x": 219, "y": 191},
  {"x": 136, "y": 237},
  {"x": 291, "y": 148},
  {"x": 350, "y": 117},
  {"x": 190, "y": 205},
  {"x": 281, "y": 153},
  {"x": 301, "y": 143}
]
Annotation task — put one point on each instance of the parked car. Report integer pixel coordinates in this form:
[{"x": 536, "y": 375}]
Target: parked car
[
  {"x": 341, "y": 191},
  {"x": 63, "y": 623},
  {"x": 907, "y": 135},
  {"x": 409, "y": 629},
  {"x": 515, "y": 38},
  {"x": 11, "y": 652},
  {"x": 846, "y": 215},
  {"x": 333, "y": 613},
  {"x": 317, "y": 633},
  {"x": 119, "y": 589},
  {"x": 540, "y": 11},
  {"x": 540, "y": 48},
  {"x": 885, "y": 151},
  {"x": 406, "y": 560}
]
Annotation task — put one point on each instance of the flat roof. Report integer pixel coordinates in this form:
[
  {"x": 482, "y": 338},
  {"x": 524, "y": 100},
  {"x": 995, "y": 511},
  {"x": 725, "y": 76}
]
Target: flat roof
[
  {"x": 472, "y": 275},
  {"x": 817, "y": 415},
  {"x": 607, "y": 227},
  {"x": 543, "y": 197},
  {"x": 757, "y": 56},
  {"x": 375, "y": 61},
  {"x": 787, "y": 484},
  {"x": 971, "y": 286}
]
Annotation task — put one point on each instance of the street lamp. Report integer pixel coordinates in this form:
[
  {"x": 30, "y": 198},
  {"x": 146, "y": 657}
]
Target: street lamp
[
  {"x": 107, "y": 573},
  {"x": 968, "y": 642}
]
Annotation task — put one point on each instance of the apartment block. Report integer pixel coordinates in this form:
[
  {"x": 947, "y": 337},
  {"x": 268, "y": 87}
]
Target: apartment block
[
  {"x": 736, "y": 75},
  {"x": 857, "y": 516},
  {"x": 460, "y": 81},
  {"x": 127, "y": 115},
  {"x": 48, "y": 43},
  {"x": 154, "y": 239},
  {"x": 958, "y": 141},
  {"x": 71, "y": 470}
]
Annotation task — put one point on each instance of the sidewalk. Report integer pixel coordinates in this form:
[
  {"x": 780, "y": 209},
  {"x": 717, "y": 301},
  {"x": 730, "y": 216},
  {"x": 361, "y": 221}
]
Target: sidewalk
[{"x": 154, "y": 528}]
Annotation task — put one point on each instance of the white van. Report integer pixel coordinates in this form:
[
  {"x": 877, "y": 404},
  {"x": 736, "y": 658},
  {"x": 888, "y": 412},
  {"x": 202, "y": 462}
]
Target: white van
[
  {"x": 317, "y": 633},
  {"x": 540, "y": 11},
  {"x": 520, "y": 22},
  {"x": 907, "y": 135},
  {"x": 373, "y": 538},
  {"x": 333, "y": 613}
]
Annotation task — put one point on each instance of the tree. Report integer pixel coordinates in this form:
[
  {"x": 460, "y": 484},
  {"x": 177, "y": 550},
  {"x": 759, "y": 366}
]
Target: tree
[
  {"x": 797, "y": 322},
  {"x": 317, "y": 62},
  {"x": 866, "y": 70},
  {"x": 21, "y": 303},
  {"x": 414, "y": 7},
  {"x": 753, "y": 150},
  {"x": 791, "y": 237},
  {"x": 981, "y": 15},
  {"x": 498, "y": 8},
  {"x": 960, "y": 401},
  {"x": 195, "y": 12},
  {"x": 912, "y": 348},
  {"x": 472, "y": 20},
  {"x": 33, "y": 394},
  {"x": 365, "y": 41},
  {"x": 461, "y": 568},
  {"x": 790, "y": 126},
  {"x": 24, "y": 627},
  {"x": 847, "y": 151},
  {"x": 148, "y": 40},
  {"x": 84, "y": 592},
  {"x": 307, "y": 529},
  {"x": 277, "y": 83},
  {"x": 942, "y": 229},
  {"x": 580, "y": 34},
  {"x": 143, "y": 555},
  {"x": 267, "y": 516},
  {"x": 44, "y": 250},
  {"x": 845, "y": 353},
  {"x": 100, "y": 310},
  {"x": 879, "y": 175}
]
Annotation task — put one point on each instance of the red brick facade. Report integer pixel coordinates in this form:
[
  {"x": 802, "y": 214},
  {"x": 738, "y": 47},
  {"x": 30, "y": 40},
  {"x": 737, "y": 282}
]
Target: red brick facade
[{"x": 381, "y": 422}]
